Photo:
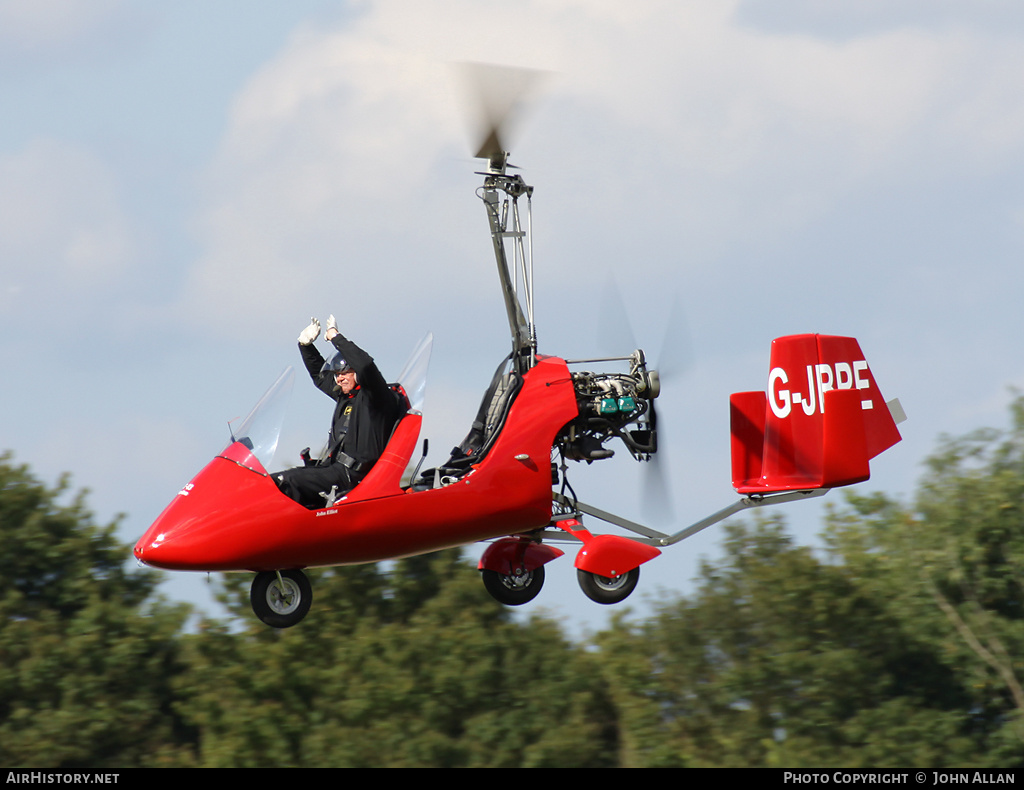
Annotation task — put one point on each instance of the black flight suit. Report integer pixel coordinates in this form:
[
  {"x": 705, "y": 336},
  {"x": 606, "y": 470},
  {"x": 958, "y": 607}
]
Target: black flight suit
[{"x": 360, "y": 428}]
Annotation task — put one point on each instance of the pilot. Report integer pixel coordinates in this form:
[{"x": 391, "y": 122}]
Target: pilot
[{"x": 365, "y": 413}]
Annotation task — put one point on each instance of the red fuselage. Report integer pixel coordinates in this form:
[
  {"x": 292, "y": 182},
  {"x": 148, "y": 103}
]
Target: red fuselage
[{"x": 230, "y": 517}]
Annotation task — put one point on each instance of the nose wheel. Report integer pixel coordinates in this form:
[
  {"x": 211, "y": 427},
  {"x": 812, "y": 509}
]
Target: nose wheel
[{"x": 281, "y": 598}]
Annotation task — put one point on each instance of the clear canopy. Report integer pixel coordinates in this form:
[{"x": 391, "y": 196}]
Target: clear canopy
[{"x": 260, "y": 431}]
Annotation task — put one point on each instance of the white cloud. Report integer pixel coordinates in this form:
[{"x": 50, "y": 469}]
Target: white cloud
[{"x": 683, "y": 112}]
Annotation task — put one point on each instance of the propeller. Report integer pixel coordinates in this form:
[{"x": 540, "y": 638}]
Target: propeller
[
  {"x": 499, "y": 96},
  {"x": 674, "y": 358}
]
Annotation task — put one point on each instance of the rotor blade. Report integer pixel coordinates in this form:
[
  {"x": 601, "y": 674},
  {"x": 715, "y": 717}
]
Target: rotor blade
[{"x": 498, "y": 94}]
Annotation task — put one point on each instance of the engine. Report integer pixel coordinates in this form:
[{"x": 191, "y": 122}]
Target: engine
[{"x": 613, "y": 406}]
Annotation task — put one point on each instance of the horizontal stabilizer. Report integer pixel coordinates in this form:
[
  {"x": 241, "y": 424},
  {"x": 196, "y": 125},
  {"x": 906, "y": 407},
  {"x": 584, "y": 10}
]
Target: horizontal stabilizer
[{"x": 818, "y": 425}]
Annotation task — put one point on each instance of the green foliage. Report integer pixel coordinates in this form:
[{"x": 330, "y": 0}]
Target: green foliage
[
  {"x": 954, "y": 566},
  {"x": 972, "y": 502},
  {"x": 900, "y": 643},
  {"x": 787, "y": 640},
  {"x": 780, "y": 660},
  {"x": 412, "y": 666},
  {"x": 84, "y": 671},
  {"x": 51, "y": 554}
]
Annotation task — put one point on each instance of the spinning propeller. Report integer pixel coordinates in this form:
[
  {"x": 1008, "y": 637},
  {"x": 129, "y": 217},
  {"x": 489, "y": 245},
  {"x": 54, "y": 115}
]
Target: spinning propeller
[{"x": 674, "y": 358}]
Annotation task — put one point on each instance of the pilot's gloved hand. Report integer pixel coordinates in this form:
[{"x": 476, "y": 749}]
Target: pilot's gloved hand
[
  {"x": 332, "y": 328},
  {"x": 310, "y": 333}
]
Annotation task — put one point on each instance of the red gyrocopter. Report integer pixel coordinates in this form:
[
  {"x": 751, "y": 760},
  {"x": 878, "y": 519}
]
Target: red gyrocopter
[{"x": 817, "y": 425}]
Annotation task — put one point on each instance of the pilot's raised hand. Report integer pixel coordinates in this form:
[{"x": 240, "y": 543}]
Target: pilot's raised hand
[
  {"x": 310, "y": 333},
  {"x": 332, "y": 328}
]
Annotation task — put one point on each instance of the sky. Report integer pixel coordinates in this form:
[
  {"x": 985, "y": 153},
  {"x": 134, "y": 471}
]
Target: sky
[{"x": 182, "y": 185}]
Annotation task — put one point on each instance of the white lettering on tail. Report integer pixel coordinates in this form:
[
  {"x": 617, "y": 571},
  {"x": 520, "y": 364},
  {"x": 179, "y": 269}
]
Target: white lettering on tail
[{"x": 820, "y": 379}]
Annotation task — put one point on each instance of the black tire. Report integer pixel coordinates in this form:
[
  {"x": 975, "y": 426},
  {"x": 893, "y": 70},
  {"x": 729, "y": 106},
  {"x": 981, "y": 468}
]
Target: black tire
[
  {"x": 605, "y": 590},
  {"x": 514, "y": 590},
  {"x": 277, "y": 607}
]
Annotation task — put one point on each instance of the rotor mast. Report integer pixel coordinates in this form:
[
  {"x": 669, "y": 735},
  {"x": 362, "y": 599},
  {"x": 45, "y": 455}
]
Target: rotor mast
[{"x": 500, "y": 194}]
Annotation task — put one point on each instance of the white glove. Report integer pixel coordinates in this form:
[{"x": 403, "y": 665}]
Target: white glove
[
  {"x": 310, "y": 333},
  {"x": 332, "y": 328}
]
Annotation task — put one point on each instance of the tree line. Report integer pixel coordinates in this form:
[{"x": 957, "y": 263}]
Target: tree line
[{"x": 899, "y": 642}]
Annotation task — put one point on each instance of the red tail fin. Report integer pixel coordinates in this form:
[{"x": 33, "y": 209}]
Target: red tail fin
[{"x": 821, "y": 421}]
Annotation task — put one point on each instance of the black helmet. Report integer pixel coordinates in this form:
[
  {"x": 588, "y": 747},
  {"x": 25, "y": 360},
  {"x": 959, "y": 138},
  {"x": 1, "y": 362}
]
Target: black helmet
[{"x": 336, "y": 364}]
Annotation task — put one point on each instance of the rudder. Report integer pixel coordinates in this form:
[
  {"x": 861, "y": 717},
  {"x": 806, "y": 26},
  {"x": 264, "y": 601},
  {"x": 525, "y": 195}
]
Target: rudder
[{"x": 819, "y": 424}]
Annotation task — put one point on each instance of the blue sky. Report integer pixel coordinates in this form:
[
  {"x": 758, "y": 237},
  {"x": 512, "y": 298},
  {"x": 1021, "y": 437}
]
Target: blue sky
[{"x": 183, "y": 184}]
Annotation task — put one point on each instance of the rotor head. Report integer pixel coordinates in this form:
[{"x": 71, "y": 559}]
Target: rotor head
[{"x": 498, "y": 97}]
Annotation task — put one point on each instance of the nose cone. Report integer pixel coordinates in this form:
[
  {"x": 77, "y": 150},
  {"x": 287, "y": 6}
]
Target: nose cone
[
  {"x": 215, "y": 522},
  {"x": 167, "y": 545}
]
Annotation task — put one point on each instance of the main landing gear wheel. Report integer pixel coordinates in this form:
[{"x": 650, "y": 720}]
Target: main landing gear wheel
[
  {"x": 281, "y": 602},
  {"x": 602, "y": 589},
  {"x": 514, "y": 589}
]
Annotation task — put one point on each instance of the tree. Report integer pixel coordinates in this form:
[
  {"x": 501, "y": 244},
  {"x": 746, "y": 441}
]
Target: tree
[
  {"x": 782, "y": 659},
  {"x": 954, "y": 566},
  {"x": 86, "y": 659},
  {"x": 405, "y": 665},
  {"x": 902, "y": 643}
]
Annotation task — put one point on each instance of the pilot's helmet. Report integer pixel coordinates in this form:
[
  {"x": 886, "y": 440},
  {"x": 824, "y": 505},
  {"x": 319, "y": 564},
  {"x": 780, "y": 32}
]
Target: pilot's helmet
[{"x": 336, "y": 364}]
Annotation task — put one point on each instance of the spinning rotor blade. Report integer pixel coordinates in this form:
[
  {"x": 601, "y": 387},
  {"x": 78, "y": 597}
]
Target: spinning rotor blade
[{"x": 498, "y": 94}]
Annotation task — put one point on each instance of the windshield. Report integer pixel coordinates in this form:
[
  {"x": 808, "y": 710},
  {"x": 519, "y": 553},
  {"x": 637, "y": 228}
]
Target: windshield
[
  {"x": 261, "y": 429},
  {"x": 413, "y": 377},
  {"x": 254, "y": 439}
]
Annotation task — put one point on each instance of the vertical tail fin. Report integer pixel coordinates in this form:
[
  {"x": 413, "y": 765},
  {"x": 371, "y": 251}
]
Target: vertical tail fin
[{"x": 819, "y": 424}]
